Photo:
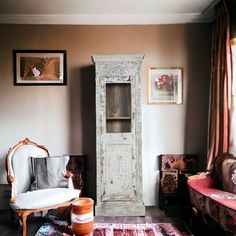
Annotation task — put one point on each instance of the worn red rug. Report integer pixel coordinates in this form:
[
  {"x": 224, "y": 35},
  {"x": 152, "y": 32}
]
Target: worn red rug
[
  {"x": 115, "y": 229},
  {"x": 147, "y": 229}
]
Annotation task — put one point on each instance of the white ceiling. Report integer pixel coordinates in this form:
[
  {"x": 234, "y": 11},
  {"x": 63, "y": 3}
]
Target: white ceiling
[{"x": 105, "y": 11}]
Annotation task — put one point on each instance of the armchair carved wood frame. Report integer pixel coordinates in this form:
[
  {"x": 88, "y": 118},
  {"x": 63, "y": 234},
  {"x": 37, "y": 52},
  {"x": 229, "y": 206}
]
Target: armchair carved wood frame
[{"x": 20, "y": 176}]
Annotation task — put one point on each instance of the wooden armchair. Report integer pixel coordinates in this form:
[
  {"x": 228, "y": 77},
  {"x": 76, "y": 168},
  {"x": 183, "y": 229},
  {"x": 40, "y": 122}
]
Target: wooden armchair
[{"x": 20, "y": 174}]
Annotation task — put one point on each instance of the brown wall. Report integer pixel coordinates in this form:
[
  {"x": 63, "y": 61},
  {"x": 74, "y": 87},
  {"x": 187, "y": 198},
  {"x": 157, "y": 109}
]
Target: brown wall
[{"x": 63, "y": 117}]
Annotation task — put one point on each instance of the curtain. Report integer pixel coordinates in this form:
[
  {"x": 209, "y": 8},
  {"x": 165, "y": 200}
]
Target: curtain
[
  {"x": 220, "y": 87},
  {"x": 232, "y": 11}
]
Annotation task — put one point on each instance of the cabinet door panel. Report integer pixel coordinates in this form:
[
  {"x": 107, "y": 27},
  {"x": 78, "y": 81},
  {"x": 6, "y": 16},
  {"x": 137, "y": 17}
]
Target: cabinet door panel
[{"x": 118, "y": 174}]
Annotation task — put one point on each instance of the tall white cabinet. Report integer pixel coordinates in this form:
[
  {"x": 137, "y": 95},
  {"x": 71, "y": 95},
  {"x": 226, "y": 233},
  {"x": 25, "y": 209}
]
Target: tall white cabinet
[{"x": 118, "y": 134}]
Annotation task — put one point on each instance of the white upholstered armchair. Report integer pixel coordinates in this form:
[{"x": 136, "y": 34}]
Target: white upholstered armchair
[{"x": 27, "y": 195}]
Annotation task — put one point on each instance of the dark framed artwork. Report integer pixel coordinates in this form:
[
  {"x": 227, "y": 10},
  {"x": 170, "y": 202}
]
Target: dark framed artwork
[
  {"x": 40, "y": 67},
  {"x": 169, "y": 182}
]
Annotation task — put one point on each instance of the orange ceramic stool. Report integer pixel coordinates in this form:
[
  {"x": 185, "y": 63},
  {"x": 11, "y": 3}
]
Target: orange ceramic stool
[{"x": 82, "y": 219}]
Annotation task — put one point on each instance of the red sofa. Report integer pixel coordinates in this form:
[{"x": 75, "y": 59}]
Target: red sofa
[{"x": 217, "y": 198}]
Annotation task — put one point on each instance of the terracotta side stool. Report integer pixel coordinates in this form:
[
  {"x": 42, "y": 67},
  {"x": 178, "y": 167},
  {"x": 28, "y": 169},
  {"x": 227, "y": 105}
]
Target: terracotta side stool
[{"x": 82, "y": 219}]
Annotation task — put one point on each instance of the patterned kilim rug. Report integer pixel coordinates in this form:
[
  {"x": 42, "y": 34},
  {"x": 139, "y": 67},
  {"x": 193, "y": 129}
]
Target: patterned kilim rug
[
  {"x": 153, "y": 229},
  {"x": 60, "y": 228}
]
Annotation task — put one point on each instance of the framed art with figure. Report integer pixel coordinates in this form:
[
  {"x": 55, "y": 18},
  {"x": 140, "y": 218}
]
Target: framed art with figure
[
  {"x": 39, "y": 67},
  {"x": 165, "y": 85}
]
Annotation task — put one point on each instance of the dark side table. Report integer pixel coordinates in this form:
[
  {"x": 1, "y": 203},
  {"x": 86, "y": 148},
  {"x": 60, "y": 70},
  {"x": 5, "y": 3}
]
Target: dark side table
[{"x": 174, "y": 170}]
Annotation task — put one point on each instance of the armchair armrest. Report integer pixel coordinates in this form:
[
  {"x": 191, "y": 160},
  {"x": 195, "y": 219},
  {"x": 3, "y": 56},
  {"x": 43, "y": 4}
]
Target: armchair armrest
[
  {"x": 10, "y": 179},
  {"x": 68, "y": 175}
]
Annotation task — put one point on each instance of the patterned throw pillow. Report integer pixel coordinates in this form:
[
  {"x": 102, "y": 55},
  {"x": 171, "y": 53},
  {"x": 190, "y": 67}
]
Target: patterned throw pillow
[
  {"x": 229, "y": 174},
  {"x": 49, "y": 172}
]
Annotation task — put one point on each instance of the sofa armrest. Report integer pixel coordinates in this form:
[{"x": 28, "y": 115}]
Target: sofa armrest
[{"x": 200, "y": 183}]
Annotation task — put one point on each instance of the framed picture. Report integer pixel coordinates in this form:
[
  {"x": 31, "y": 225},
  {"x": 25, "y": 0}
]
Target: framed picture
[
  {"x": 39, "y": 67},
  {"x": 169, "y": 182},
  {"x": 165, "y": 85},
  {"x": 184, "y": 163}
]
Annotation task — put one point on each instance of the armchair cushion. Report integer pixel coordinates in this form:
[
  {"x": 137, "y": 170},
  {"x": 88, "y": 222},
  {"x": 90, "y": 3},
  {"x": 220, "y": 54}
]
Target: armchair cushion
[
  {"x": 49, "y": 172},
  {"x": 44, "y": 198}
]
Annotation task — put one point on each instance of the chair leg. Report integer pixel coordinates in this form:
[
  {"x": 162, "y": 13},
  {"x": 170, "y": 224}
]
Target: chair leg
[{"x": 23, "y": 219}]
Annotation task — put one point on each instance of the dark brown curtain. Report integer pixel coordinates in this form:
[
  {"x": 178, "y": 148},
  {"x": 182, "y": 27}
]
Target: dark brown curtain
[{"x": 220, "y": 87}]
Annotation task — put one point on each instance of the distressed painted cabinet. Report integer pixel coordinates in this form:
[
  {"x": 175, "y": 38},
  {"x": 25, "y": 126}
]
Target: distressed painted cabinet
[{"x": 118, "y": 133}]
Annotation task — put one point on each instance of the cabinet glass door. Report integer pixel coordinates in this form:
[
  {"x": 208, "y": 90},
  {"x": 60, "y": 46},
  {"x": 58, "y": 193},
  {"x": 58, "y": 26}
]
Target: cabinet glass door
[{"x": 118, "y": 107}]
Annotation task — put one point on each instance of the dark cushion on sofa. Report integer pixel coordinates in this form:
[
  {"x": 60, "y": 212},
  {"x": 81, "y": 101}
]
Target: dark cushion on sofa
[
  {"x": 228, "y": 176},
  {"x": 218, "y": 172}
]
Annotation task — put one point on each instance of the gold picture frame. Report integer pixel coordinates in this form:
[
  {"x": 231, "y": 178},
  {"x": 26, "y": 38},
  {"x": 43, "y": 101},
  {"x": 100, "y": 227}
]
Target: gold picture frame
[{"x": 165, "y": 85}]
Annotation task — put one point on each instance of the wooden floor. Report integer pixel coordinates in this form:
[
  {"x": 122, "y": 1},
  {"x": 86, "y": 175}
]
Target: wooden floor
[{"x": 153, "y": 215}]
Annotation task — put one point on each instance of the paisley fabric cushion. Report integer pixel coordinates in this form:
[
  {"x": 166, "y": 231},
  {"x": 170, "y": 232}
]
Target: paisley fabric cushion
[{"x": 229, "y": 174}]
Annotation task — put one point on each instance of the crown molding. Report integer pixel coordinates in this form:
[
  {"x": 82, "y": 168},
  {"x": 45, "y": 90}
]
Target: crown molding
[{"x": 88, "y": 19}]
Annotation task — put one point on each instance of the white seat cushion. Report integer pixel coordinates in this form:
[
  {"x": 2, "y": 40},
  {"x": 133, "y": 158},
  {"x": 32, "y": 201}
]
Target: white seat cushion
[{"x": 44, "y": 198}]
